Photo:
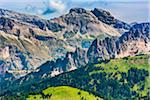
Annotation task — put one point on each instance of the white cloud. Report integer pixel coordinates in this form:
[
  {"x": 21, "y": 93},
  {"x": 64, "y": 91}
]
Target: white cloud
[
  {"x": 126, "y": 10},
  {"x": 58, "y": 5}
]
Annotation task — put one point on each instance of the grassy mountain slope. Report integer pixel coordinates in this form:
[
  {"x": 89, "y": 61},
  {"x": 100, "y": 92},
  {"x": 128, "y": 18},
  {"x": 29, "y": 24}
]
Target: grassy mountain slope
[
  {"x": 125, "y": 78},
  {"x": 63, "y": 93}
]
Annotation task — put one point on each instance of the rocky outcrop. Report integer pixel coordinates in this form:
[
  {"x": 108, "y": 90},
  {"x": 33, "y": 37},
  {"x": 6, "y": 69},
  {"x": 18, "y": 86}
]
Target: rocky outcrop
[
  {"x": 104, "y": 16},
  {"x": 107, "y": 18},
  {"x": 101, "y": 50},
  {"x": 6, "y": 24},
  {"x": 72, "y": 61},
  {"x": 135, "y": 41}
]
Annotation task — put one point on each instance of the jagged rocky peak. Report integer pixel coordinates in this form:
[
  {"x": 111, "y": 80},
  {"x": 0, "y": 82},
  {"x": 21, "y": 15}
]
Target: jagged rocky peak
[
  {"x": 77, "y": 10},
  {"x": 104, "y": 16},
  {"x": 137, "y": 31},
  {"x": 70, "y": 18},
  {"x": 83, "y": 21},
  {"x": 143, "y": 27},
  {"x": 79, "y": 17},
  {"x": 6, "y": 23},
  {"x": 108, "y": 18}
]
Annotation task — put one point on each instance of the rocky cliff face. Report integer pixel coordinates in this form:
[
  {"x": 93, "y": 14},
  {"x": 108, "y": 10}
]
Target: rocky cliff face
[
  {"x": 72, "y": 61},
  {"x": 135, "y": 41},
  {"x": 107, "y": 18}
]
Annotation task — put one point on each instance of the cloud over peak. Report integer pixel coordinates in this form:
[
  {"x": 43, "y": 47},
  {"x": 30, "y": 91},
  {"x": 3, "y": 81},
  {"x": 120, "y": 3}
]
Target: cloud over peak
[{"x": 58, "y": 5}]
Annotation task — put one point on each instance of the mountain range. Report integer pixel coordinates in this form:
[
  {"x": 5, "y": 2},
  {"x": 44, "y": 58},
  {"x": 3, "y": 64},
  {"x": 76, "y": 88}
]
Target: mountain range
[
  {"x": 33, "y": 49},
  {"x": 27, "y": 41}
]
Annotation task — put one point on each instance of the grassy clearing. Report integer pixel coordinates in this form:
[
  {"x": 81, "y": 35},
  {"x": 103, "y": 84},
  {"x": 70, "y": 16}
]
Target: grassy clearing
[
  {"x": 64, "y": 93},
  {"x": 123, "y": 65}
]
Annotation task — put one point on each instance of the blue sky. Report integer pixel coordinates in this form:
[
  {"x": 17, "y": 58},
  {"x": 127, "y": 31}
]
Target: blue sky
[{"x": 126, "y": 10}]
